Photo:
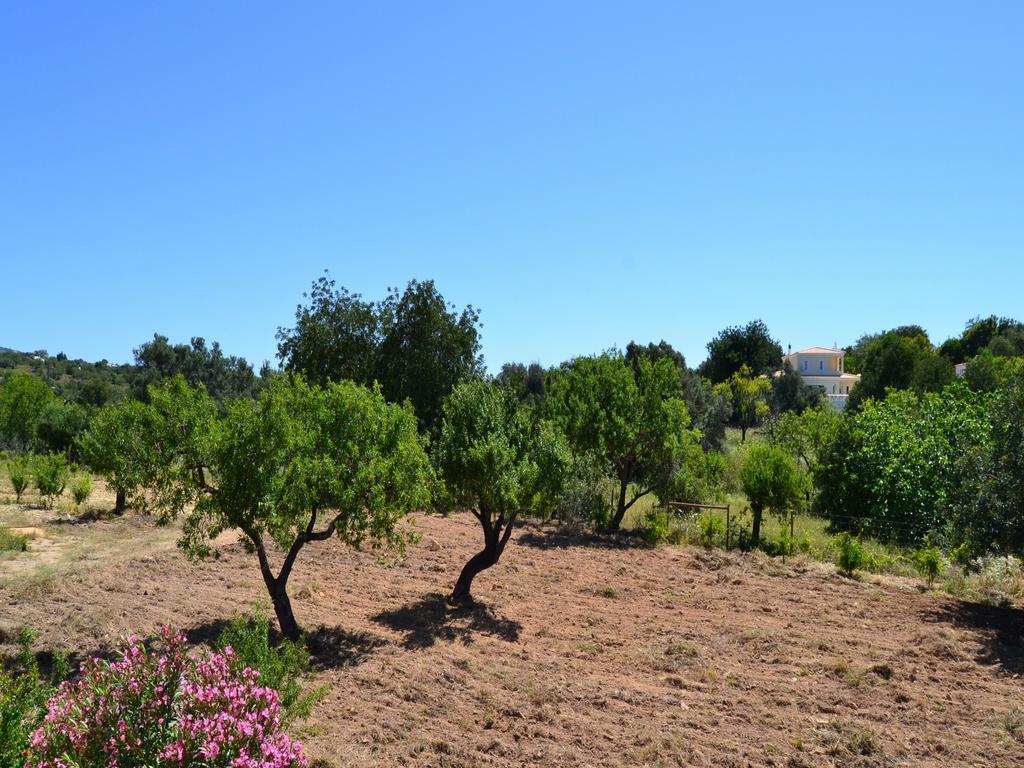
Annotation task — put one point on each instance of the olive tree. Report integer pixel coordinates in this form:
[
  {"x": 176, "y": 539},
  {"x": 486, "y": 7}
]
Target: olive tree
[
  {"x": 298, "y": 464},
  {"x": 630, "y": 418},
  {"x": 772, "y": 480},
  {"x": 501, "y": 462}
]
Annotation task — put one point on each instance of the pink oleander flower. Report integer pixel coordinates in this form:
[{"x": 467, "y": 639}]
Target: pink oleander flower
[{"x": 165, "y": 709}]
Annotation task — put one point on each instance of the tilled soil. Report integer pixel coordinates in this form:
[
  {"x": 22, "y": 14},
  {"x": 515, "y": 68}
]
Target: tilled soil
[{"x": 585, "y": 652}]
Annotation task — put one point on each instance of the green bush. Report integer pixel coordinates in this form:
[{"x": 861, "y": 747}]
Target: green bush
[
  {"x": 928, "y": 561},
  {"x": 81, "y": 487},
  {"x": 51, "y": 476},
  {"x": 12, "y": 542},
  {"x": 849, "y": 553},
  {"x": 17, "y": 470},
  {"x": 281, "y": 668},
  {"x": 657, "y": 527},
  {"x": 23, "y": 695},
  {"x": 711, "y": 528}
]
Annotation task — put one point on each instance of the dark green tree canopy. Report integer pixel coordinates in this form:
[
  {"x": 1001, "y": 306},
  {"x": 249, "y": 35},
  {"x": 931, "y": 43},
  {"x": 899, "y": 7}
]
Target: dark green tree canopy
[
  {"x": 223, "y": 376},
  {"x": 526, "y": 383},
  {"x": 23, "y": 399},
  {"x": 414, "y": 343},
  {"x": 736, "y": 346},
  {"x": 894, "y": 360}
]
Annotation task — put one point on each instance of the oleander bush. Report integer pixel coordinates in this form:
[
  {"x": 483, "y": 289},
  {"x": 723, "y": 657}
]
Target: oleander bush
[{"x": 164, "y": 708}]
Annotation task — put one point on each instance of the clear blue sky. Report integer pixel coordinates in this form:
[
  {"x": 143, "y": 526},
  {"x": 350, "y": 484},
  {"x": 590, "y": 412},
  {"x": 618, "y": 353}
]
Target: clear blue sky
[{"x": 584, "y": 173}]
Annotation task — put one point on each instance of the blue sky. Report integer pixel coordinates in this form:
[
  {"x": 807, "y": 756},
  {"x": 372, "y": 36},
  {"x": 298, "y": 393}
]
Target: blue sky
[{"x": 584, "y": 173}]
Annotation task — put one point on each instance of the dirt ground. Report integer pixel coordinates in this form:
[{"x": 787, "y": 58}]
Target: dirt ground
[{"x": 582, "y": 653}]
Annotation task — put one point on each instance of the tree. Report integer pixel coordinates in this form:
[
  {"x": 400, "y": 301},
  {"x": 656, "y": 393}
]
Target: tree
[
  {"x": 417, "y": 345},
  {"x": 116, "y": 446},
  {"x": 59, "y": 425},
  {"x": 501, "y": 463},
  {"x": 221, "y": 375},
  {"x": 771, "y": 480},
  {"x": 986, "y": 372},
  {"x": 298, "y": 464},
  {"x": 808, "y": 436},
  {"x": 896, "y": 465},
  {"x": 736, "y": 346},
  {"x": 895, "y": 360},
  {"x": 710, "y": 409},
  {"x": 749, "y": 397},
  {"x": 23, "y": 398},
  {"x": 630, "y": 419},
  {"x": 988, "y": 498},
  {"x": 789, "y": 393},
  {"x": 525, "y": 382}
]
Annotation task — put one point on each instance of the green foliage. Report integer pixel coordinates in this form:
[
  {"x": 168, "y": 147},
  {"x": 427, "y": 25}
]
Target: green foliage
[
  {"x": 896, "y": 465},
  {"x": 12, "y": 542},
  {"x": 711, "y": 528},
  {"x": 749, "y": 395},
  {"x": 299, "y": 463},
  {"x": 988, "y": 496},
  {"x": 849, "y": 553},
  {"x": 59, "y": 424},
  {"x": 51, "y": 475},
  {"x": 583, "y": 499},
  {"x": 18, "y": 472},
  {"x": 657, "y": 527},
  {"x": 899, "y": 359},
  {"x": 627, "y": 417},
  {"x": 738, "y": 346},
  {"x": 771, "y": 480},
  {"x": 81, "y": 488},
  {"x": 928, "y": 560},
  {"x": 525, "y": 382},
  {"x": 23, "y": 398},
  {"x": 282, "y": 667},
  {"x": 987, "y": 372},
  {"x": 790, "y": 394},
  {"x": 222, "y": 376},
  {"x": 23, "y": 695},
  {"x": 413, "y": 343},
  {"x": 118, "y": 443}
]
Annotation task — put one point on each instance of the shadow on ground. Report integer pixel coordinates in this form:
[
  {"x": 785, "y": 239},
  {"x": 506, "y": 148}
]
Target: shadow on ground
[
  {"x": 547, "y": 537},
  {"x": 431, "y": 619},
  {"x": 999, "y": 629}
]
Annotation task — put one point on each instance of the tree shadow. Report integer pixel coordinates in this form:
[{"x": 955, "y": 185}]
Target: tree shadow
[
  {"x": 1000, "y": 629},
  {"x": 539, "y": 537},
  {"x": 431, "y": 619},
  {"x": 333, "y": 647}
]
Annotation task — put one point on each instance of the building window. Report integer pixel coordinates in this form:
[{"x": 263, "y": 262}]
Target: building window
[{"x": 821, "y": 365}]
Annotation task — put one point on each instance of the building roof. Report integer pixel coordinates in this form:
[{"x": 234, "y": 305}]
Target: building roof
[{"x": 817, "y": 351}]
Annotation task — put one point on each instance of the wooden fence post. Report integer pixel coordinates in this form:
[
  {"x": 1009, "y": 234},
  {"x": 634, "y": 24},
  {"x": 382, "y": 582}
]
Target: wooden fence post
[{"x": 727, "y": 527}]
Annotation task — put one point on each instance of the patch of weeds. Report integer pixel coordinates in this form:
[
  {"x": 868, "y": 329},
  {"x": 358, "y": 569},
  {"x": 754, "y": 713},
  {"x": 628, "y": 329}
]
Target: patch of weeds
[
  {"x": 842, "y": 670},
  {"x": 12, "y": 542},
  {"x": 609, "y": 591},
  {"x": 848, "y": 740},
  {"x": 1012, "y": 724}
]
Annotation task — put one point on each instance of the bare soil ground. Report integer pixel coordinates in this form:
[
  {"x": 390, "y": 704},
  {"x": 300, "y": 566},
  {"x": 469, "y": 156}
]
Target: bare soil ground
[{"x": 582, "y": 653}]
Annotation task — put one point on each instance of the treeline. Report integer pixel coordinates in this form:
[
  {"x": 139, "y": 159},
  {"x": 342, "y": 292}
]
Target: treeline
[{"x": 382, "y": 407}]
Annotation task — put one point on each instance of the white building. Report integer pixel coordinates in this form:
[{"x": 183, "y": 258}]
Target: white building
[{"x": 823, "y": 367}]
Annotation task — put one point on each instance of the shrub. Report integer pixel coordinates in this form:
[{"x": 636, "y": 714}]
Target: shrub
[
  {"x": 282, "y": 668},
  {"x": 51, "y": 476},
  {"x": 17, "y": 470},
  {"x": 165, "y": 708},
  {"x": 657, "y": 527},
  {"x": 928, "y": 560},
  {"x": 23, "y": 695},
  {"x": 12, "y": 542},
  {"x": 81, "y": 487},
  {"x": 711, "y": 528},
  {"x": 849, "y": 553}
]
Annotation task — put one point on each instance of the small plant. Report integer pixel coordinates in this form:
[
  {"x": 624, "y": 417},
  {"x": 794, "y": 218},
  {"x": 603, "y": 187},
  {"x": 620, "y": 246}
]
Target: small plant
[
  {"x": 928, "y": 561},
  {"x": 81, "y": 487},
  {"x": 711, "y": 528},
  {"x": 51, "y": 476},
  {"x": 849, "y": 553},
  {"x": 657, "y": 528},
  {"x": 17, "y": 470},
  {"x": 282, "y": 668},
  {"x": 12, "y": 542}
]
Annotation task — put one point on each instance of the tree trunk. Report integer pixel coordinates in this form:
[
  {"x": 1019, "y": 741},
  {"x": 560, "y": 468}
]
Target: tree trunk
[
  {"x": 119, "y": 503},
  {"x": 479, "y": 562},
  {"x": 283, "y": 610},
  {"x": 743, "y": 434},
  {"x": 620, "y": 509},
  {"x": 755, "y": 535}
]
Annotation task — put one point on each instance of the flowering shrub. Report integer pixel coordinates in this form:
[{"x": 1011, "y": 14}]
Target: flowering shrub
[{"x": 164, "y": 709}]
